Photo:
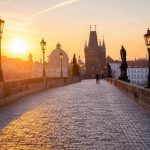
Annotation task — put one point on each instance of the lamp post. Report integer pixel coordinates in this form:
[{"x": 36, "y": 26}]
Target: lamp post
[
  {"x": 61, "y": 58},
  {"x": 1, "y": 31},
  {"x": 147, "y": 42},
  {"x": 43, "y": 47}
]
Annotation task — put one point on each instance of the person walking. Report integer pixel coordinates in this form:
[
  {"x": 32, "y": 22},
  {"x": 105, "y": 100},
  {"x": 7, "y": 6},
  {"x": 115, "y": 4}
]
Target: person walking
[{"x": 97, "y": 76}]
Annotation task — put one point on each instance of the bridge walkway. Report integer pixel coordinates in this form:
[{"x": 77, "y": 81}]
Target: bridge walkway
[{"x": 81, "y": 116}]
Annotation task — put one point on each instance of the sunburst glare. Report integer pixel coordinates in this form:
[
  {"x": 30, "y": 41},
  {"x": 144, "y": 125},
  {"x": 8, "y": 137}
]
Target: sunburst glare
[{"x": 18, "y": 46}]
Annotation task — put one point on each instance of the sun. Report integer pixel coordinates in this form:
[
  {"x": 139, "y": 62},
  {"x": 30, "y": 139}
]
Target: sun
[{"x": 18, "y": 46}]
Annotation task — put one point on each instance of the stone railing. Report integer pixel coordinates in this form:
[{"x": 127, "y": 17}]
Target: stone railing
[
  {"x": 139, "y": 94},
  {"x": 12, "y": 90}
]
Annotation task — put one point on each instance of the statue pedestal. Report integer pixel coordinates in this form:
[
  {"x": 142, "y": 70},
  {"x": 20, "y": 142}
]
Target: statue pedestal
[{"x": 124, "y": 78}]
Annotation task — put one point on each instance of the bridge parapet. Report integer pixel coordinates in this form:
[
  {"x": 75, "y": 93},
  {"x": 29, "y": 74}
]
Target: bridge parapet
[
  {"x": 12, "y": 90},
  {"x": 140, "y": 95}
]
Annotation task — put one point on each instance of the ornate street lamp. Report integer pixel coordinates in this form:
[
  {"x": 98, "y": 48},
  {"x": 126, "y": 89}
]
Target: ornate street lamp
[
  {"x": 61, "y": 59},
  {"x": 1, "y": 31},
  {"x": 147, "y": 42},
  {"x": 43, "y": 47}
]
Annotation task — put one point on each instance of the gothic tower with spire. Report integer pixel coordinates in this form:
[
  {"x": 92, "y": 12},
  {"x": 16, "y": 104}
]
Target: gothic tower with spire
[{"x": 95, "y": 55}]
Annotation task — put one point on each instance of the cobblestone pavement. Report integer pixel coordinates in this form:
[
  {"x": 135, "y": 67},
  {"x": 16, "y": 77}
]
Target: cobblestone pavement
[{"x": 81, "y": 116}]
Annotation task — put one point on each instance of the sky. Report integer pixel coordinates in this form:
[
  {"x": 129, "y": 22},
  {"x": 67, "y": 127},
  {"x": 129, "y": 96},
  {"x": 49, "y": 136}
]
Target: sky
[{"x": 121, "y": 22}]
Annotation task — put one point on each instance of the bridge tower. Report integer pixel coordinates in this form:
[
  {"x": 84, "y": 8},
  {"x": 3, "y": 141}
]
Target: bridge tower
[{"x": 95, "y": 55}]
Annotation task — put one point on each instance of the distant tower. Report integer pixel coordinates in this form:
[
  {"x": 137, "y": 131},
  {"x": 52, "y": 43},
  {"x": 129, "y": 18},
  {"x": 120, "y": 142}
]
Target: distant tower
[
  {"x": 95, "y": 55},
  {"x": 104, "y": 51},
  {"x": 30, "y": 60},
  {"x": 79, "y": 61}
]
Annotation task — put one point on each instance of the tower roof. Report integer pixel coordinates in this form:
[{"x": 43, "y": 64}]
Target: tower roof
[
  {"x": 85, "y": 46},
  {"x": 109, "y": 59},
  {"x": 104, "y": 46},
  {"x": 100, "y": 43},
  {"x": 93, "y": 43}
]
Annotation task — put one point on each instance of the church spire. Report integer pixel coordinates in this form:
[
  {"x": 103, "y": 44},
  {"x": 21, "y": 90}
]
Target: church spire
[
  {"x": 85, "y": 46},
  {"x": 100, "y": 43},
  {"x": 30, "y": 58},
  {"x": 104, "y": 46},
  {"x": 79, "y": 57}
]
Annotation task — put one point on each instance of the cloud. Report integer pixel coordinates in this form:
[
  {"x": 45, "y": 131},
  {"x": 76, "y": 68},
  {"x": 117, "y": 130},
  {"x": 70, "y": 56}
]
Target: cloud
[
  {"x": 59, "y": 5},
  {"x": 5, "y": 2},
  {"x": 24, "y": 22}
]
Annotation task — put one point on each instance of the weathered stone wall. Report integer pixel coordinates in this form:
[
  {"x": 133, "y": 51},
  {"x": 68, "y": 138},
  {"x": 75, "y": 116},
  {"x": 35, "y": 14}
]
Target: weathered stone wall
[
  {"x": 12, "y": 90},
  {"x": 139, "y": 94}
]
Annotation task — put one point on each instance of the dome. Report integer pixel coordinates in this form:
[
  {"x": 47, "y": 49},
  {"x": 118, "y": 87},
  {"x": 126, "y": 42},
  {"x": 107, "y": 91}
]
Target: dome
[
  {"x": 55, "y": 54},
  {"x": 58, "y": 59}
]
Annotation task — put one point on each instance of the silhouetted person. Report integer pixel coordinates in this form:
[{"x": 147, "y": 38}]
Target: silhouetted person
[{"x": 97, "y": 76}]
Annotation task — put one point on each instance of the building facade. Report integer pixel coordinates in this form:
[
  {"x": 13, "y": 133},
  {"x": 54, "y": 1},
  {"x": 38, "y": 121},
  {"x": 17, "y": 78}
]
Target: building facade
[
  {"x": 95, "y": 55},
  {"x": 115, "y": 67},
  {"x": 37, "y": 69},
  {"x": 138, "y": 75}
]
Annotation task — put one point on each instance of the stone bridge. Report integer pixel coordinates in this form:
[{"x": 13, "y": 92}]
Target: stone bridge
[{"x": 80, "y": 116}]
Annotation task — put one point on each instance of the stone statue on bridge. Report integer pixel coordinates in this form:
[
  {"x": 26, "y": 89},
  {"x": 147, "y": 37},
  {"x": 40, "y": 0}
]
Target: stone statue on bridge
[
  {"x": 123, "y": 54},
  {"x": 123, "y": 66}
]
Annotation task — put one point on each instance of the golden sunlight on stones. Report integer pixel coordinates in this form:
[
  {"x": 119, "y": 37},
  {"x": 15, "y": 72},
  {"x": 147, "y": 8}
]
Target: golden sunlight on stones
[{"x": 30, "y": 130}]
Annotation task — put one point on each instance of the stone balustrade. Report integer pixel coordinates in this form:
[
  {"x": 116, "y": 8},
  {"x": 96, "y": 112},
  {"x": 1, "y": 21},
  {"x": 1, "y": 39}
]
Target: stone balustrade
[
  {"x": 140, "y": 95},
  {"x": 12, "y": 90}
]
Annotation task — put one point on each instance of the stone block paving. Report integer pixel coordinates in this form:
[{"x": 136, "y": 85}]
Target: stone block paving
[{"x": 81, "y": 116}]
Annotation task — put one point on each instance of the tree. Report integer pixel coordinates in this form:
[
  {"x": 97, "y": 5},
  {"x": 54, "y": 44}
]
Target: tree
[{"x": 75, "y": 68}]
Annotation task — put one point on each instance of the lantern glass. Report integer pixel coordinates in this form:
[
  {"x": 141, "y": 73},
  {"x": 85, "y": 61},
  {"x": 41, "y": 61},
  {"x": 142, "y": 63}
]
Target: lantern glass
[
  {"x": 61, "y": 56},
  {"x": 43, "y": 44},
  {"x": 1, "y": 25}
]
